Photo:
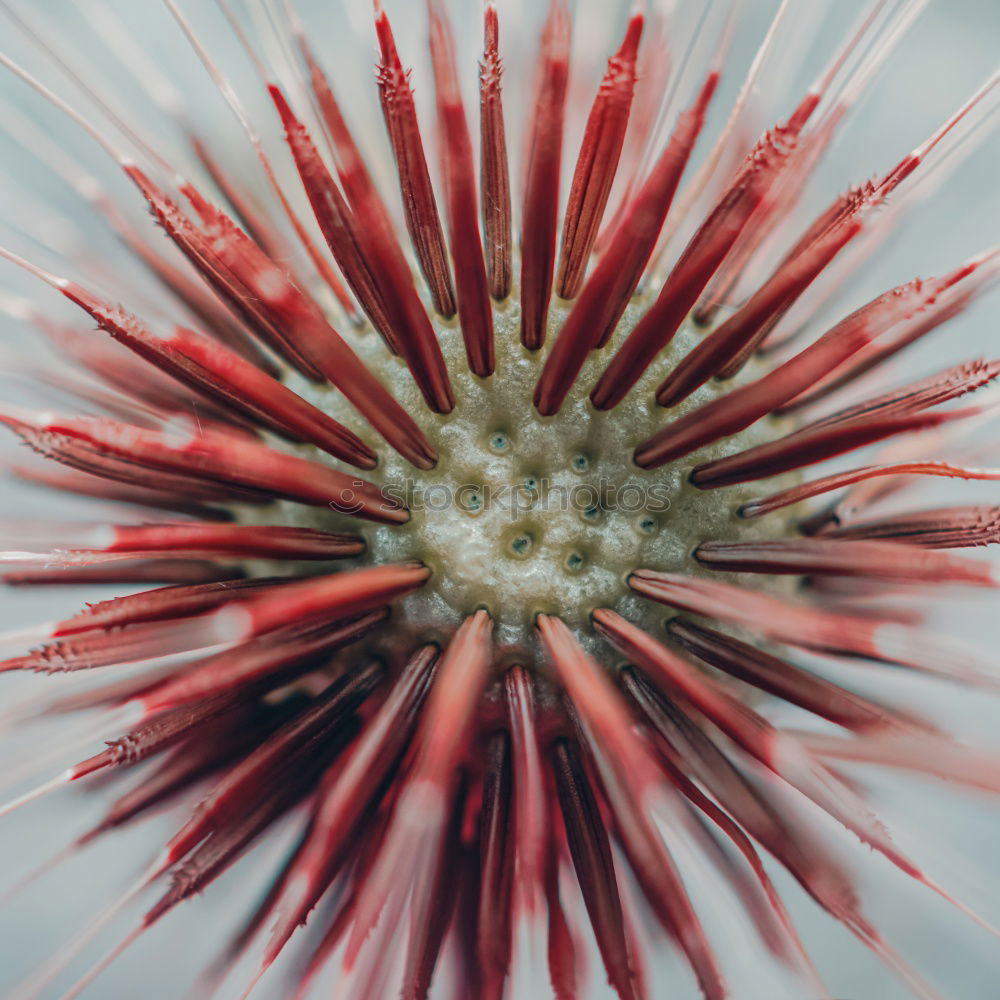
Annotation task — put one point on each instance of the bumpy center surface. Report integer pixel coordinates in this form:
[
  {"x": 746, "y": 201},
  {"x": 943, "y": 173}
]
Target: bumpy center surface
[{"x": 525, "y": 514}]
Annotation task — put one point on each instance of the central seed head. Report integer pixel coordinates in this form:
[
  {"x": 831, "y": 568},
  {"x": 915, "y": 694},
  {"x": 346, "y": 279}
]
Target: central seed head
[{"x": 525, "y": 514}]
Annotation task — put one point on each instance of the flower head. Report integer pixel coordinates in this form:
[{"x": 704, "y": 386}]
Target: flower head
[{"x": 473, "y": 517}]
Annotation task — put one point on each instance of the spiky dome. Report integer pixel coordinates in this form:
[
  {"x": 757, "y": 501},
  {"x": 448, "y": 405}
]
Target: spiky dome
[{"x": 488, "y": 551}]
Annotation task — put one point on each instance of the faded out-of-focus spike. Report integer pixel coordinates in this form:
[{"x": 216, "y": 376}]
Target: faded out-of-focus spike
[
  {"x": 496, "y": 868},
  {"x": 606, "y": 293},
  {"x": 831, "y": 557},
  {"x": 348, "y": 791},
  {"x": 419, "y": 203},
  {"x": 423, "y": 806},
  {"x": 783, "y": 679},
  {"x": 494, "y": 172},
  {"x": 809, "y": 627},
  {"x": 475, "y": 311},
  {"x": 540, "y": 212},
  {"x": 597, "y": 164},
  {"x": 631, "y": 786},
  {"x": 590, "y": 849},
  {"x": 123, "y": 452}
]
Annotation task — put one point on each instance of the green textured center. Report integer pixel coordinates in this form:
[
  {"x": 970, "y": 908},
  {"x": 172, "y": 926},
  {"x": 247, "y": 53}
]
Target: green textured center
[{"x": 526, "y": 514}]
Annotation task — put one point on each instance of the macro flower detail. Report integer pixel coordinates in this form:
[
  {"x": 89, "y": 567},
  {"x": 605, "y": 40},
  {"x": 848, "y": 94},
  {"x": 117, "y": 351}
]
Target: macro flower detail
[{"x": 479, "y": 499}]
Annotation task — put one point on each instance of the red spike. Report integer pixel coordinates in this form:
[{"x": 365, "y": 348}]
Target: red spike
[
  {"x": 697, "y": 264},
  {"x": 330, "y": 598},
  {"x": 223, "y": 376},
  {"x": 606, "y": 293},
  {"x": 529, "y": 793},
  {"x": 188, "y": 540},
  {"x": 784, "y": 680},
  {"x": 419, "y": 203},
  {"x": 590, "y": 849},
  {"x": 123, "y": 452},
  {"x": 812, "y": 445},
  {"x": 280, "y": 313},
  {"x": 807, "y": 627},
  {"x": 743, "y": 406},
  {"x": 494, "y": 171},
  {"x": 259, "y": 665},
  {"x": 158, "y": 605},
  {"x": 163, "y": 571},
  {"x": 830, "y": 557},
  {"x": 743, "y": 330},
  {"x": 772, "y": 747},
  {"x": 368, "y": 251},
  {"x": 944, "y": 528},
  {"x": 772, "y": 824},
  {"x": 422, "y": 807},
  {"x": 818, "y": 487},
  {"x": 346, "y": 795},
  {"x": 273, "y": 763},
  {"x": 475, "y": 311},
  {"x": 496, "y": 867},
  {"x": 83, "y": 484},
  {"x": 540, "y": 213},
  {"x": 597, "y": 164},
  {"x": 635, "y": 777}
]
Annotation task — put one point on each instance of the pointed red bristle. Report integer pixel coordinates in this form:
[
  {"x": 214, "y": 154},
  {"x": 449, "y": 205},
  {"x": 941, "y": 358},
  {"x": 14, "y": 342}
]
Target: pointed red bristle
[
  {"x": 365, "y": 247},
  {"x": 941, "y": 528},
  {"x": 121, "y": 451},
  {"x": 813, "y": 445},
  {"x": 781, "y": 678},
  {"x": 871, "y": 559},
  {"x": 839, "y": 480},
  {"x": 494, "y": 169},
  {"x": 743, "y": 329},
  {"x": 158, "y": 605},
  {"x": 421, "y": 809},
  {"x": 91, "y": 650},
  {"x": 259, "y": 665},
  {"x": 272, "y": 762},
  {"x": 597, "y": 164},
  {"x": 807, "y": 627},
  {"x": 223, "y": 376},
  {"x": 496, "y": 867},
  {"x": 699, "y": 261},
  {"x": 540, "y": 213},
  {"x": 220, "y": 541},
  {"x": 743, "y": 406},
  {"x": 606, "y": 294},
  {"x": 65, "y": 480},
  {"x": 281, "y": 313},
  {"x": 774, "y": 748},
  {"x": 334, "y": 597},
  {"x": 475, "y": 312},
  {"x": 771, "y": 823},
  {"x": 347, "y": 794},
  {"x": 161, "y": 571},
  {"x": 590, "y": 849},
  {"x": 634, "y": 778},
  {"x": 529, "y": 793},
  {"x": 419, "y": 203}
]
